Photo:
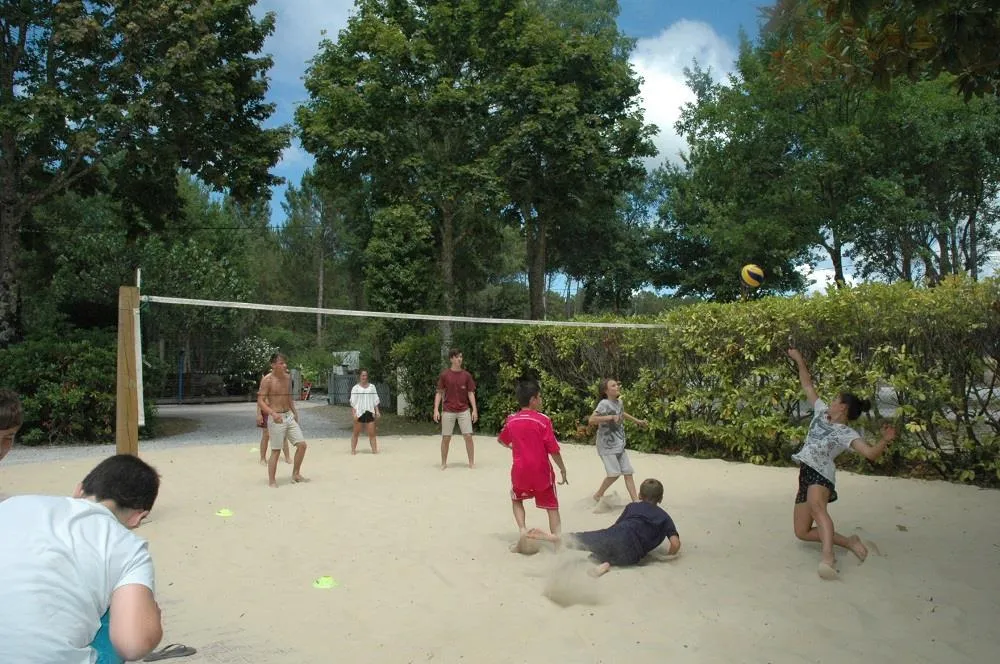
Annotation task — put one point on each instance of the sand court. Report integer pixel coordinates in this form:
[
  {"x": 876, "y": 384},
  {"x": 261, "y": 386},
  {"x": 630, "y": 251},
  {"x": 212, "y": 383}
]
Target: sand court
[{"x": 422, "y": 570}]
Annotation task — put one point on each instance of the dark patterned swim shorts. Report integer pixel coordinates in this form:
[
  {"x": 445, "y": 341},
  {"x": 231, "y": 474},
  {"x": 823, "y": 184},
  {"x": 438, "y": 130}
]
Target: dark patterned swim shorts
[{"x": 808, "y": 477}]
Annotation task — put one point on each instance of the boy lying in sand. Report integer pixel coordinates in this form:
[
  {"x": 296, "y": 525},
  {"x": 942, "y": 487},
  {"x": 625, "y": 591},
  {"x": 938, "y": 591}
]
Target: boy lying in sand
[{"x": 642, "y": 527}]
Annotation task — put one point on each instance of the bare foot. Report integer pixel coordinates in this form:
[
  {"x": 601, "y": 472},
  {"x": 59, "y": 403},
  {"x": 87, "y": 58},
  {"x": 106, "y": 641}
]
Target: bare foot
[
  {"x": 354, "y": 452},
  {"x": 472, "y": 465},
  {"x": 600, "y": 570},
  {"x": 298, "y": 478},
  {"x": 263, "y": 461},
  {"x": 444, "y": 466},
  {"x": 273, "y": 485},
  {"x": 539, "y": 534},
  {"x": 857, "y": 547},
  {"x": 827, "y": 571},
  {"x": 287, "y": 460}
]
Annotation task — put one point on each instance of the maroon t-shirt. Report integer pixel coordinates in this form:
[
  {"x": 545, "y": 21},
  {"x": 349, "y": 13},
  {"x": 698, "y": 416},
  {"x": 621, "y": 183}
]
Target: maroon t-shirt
[{"x": 456, "y": 386}]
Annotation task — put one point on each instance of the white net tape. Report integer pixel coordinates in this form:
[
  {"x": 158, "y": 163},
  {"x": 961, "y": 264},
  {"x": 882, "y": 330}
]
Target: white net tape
[{"x": 386, "y": 314}]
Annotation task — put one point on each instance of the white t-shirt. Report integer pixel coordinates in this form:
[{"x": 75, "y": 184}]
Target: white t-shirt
[
  {"x": 825, "y": 441},
  {"x": 364, "y": 399},
  {"x": 60, "y": 561}
]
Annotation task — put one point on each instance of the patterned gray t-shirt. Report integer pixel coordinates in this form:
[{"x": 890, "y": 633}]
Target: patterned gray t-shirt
[
  {"x": 610, "y": 435},
  {"x": 825, "y": 441}
]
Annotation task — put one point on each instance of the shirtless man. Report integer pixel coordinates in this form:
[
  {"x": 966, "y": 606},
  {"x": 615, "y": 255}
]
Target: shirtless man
[{"x": 275, "y": 402}]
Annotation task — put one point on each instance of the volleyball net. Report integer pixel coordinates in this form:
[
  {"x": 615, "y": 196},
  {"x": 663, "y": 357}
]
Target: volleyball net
[{"x": 188, "y": 336}]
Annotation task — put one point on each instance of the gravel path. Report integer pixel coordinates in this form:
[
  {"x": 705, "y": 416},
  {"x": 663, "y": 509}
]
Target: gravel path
[{"x": 218, "y": 424}]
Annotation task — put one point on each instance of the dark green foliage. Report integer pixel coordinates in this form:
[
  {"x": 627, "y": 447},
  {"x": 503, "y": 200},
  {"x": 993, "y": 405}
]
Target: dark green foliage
[
  {"x": 715, "y": 381},
  {"x": 67, "y": 387},
  {"x": 883, "y": 40}
]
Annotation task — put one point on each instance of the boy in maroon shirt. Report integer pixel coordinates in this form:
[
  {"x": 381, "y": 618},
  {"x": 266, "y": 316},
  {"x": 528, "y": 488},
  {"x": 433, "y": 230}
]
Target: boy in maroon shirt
[
  {"x": 529, "y": 435},
  {"x": 457, "y": 390}
]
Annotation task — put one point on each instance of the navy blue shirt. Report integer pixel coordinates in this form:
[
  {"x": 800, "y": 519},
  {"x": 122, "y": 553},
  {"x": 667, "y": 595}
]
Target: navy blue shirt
[{"x": 648, "y": 524}]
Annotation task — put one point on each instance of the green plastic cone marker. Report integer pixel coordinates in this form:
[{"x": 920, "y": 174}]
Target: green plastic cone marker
[{"x": 324, "y": 582}]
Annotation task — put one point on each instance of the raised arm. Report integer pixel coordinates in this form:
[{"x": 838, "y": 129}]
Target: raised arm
[
  {"x": 873, "y": 452},
  {"x": 804, "y": 376}
]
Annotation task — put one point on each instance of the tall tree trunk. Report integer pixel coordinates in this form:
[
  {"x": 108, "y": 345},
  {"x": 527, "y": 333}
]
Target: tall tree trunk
[
  {"x": 10, "y": 246},
  {"x": 447, "y": 273},
  {"x": 836, "y": 258},
  {"x": 906, "y": 260},
  {"x": 319, "y": 294},
  {"x": 944, "y": 253},
  {"x": 534, "y": 237},
  {"x": 973, "y": 251}
]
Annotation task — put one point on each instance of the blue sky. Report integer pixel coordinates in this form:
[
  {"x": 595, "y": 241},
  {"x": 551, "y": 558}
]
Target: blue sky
[{"x": 671, "y": 34}]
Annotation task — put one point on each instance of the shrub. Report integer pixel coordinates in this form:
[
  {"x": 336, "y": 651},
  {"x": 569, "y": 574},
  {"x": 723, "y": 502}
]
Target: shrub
[
  {"x": 67, "y": 387},
  {"x": 715, "y": 380}
]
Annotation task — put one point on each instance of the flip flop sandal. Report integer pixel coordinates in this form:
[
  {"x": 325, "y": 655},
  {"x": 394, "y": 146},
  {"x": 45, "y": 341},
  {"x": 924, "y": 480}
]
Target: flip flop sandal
[{"x": 167, "y": 652}]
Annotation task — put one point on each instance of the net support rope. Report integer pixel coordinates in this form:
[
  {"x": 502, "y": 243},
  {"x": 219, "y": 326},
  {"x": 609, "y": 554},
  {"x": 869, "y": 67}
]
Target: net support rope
[{"x": 386, "y": 314}]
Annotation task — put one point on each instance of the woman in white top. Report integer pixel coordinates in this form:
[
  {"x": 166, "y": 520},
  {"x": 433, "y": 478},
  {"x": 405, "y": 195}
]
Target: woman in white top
[
  {"x": 827, "y": 438},
  {"x": 364, "y": 410}
]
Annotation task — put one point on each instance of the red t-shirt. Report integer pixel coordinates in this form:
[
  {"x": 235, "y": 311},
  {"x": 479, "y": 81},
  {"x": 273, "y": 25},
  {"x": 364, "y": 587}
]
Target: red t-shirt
[
  {"x": 530, "y": 436},
  {"x": 456, "y": 386}
]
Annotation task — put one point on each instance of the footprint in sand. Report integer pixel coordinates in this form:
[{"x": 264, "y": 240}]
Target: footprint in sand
[{"x": 608, "y": 503}]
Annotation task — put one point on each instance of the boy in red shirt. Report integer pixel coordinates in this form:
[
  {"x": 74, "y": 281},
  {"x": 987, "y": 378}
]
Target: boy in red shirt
[{"x": 529, "y": 435}]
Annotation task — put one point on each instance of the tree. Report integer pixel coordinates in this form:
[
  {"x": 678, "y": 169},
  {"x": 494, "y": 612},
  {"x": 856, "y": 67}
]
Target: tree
[
  {"x": 115, "y": 95},
  {"x": 310, "y": 238},
  {"x": 885, "y": 39},
  {"x": 932, "y": 184},
  {"x": 736, "y": 199},
  {"x": 571, "y": 133},
  {"x": 398, "y": 100}
]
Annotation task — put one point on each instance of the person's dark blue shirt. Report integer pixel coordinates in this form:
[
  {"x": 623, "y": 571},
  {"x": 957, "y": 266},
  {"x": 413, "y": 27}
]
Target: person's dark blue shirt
[{"x": 648, "y": 523}]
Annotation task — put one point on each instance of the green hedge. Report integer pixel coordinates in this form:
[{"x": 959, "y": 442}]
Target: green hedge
[
  {"x": 420, "y": 355},
  {"x": 715, "y": 380},
  {"x": 67, "y": 388}
]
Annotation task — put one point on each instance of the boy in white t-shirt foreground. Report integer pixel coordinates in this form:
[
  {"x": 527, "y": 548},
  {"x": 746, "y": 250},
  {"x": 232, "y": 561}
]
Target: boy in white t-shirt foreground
[
  {"x": 827, "y": 438},
  {"x": 68, "y": 563}
]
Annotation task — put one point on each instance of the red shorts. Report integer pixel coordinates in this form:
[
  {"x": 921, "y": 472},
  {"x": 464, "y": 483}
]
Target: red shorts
[{"x": 545, "y": 499}]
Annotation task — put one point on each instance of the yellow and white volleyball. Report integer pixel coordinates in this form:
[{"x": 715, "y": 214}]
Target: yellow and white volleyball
[{"x": 752, "y": 275}]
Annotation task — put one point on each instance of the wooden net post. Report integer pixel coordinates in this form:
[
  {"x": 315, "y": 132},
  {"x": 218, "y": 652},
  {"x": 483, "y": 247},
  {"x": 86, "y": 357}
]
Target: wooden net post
[{"x": 127, "y": 399}]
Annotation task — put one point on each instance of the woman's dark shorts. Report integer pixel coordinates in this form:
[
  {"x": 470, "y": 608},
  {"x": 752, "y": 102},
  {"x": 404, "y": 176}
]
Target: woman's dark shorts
[
  {"x": 808, "y": 477},
  {"x": 366, "y": 417}
]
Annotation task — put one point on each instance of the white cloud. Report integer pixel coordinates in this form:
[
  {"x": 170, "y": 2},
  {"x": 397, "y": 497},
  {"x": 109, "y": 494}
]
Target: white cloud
[
  {"x": 820, "y": 278},
  {"x": 660, "y": 61},
  {"x": 294, "y": 157},
  {"x": 299, "y": 27}
]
